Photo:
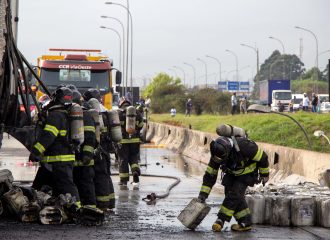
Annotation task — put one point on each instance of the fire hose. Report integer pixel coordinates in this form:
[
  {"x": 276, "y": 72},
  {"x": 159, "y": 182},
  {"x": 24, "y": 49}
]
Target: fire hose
[{"x": 151, "y": 198}]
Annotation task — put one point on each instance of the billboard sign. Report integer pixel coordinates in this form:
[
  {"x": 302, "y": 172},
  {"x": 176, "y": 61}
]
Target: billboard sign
[
  {"x": 233, "y": 86},
  {"x": 222, "y": 86},
  {"x": 244, "y": 86}
]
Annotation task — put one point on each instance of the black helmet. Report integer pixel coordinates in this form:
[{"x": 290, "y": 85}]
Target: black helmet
[
  {"x": 92, "y": 93},
  {"x": 72, "y": 87},
  {"x": 63, "y": 95},
  {"x": 221, "y": 147},
  {"x": 124, "y": 102},
  {"x": 76, "y": 96}
]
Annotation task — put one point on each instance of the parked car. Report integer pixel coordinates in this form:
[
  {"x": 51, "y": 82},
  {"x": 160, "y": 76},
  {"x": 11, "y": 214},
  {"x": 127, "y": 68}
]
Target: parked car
[{"x": 325, "y": 107}]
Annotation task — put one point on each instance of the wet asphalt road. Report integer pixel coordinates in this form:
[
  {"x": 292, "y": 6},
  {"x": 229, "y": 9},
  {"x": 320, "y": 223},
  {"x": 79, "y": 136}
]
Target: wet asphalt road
[{"x": 134, "y": 219}]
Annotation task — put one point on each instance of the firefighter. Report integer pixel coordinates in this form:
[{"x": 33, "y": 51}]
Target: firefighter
[
  {"x": 83, "y": 171},
  {"x": 53, "y": 148},
  {"x": 243, "y": 164},
  {"x": 105, "y": 194},
  {"x": 128, "y": 152}
]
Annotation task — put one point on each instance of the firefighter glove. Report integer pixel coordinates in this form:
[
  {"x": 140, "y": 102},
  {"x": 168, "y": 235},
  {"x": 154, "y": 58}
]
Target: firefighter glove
[
  {"x": 264, "y": 180},
  {"x": 34, "y": 158},
  {"x": 86, "y": 160}
]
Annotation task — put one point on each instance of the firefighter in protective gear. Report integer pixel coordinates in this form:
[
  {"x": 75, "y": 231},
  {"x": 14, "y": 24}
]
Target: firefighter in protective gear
[
  {"x": 242, "y": 166},
  {"x": 53, "y": 148},
  {"x": 105, "y": 195},
  {"x": 129, "y": 151},
  {"x": 83, "y": 171}
]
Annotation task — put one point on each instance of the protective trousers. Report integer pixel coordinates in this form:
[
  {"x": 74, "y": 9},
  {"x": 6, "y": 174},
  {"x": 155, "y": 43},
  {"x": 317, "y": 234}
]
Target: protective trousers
[
  {"x": 83, "y": 177},
  {"x": 234, "y": 203},
  {"x": 112, "y": 200},
  {"x": 128, "y": 155},
  {"x": 101, "y": 181}
]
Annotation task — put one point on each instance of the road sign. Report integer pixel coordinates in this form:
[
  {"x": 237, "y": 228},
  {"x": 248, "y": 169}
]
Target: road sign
[
  {"x": 244, "y": 86},
  {"x": 233, "y": 86},
  {"x": 222, "y": 86}
]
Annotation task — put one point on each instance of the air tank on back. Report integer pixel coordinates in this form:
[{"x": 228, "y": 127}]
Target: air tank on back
[
  {"x": 115, "y": 129},
  {"x": 227, "y": 131},
  {"x": 96, "y": 118},
  {"x": 130, "y": 120},
  {"x": 76, "y": 124},
  {"x": 95, "y": 104}
]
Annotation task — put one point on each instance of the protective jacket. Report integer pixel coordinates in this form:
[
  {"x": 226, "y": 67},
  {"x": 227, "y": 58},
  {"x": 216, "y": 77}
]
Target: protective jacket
[
  {"x": 53, "y": 142},
  {"x": 135, "y": 138}
]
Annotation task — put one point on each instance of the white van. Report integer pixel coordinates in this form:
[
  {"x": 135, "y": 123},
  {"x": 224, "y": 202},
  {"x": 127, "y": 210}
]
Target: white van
[
  {"x": 297, "y": 101},
  {"x": 323, "y": 97}
]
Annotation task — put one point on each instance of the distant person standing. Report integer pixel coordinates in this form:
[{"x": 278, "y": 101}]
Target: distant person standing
[
  {"x": 233, "y": 104},
  {"x": 315, "y": 101},
  {"x": 305, "y": 102},
  {"x": 173, "y": 112},
  {"x": 188, "y": 107},
  {"x": 243, "y": 105}
]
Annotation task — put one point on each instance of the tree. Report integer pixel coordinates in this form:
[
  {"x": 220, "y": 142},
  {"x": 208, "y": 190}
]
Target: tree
[
  {"x": 314, "y": 74},
  {"x": 165, "y": 92}
]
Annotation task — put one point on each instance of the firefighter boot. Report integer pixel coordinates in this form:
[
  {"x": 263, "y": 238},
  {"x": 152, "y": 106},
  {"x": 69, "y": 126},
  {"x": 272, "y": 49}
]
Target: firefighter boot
[
  {"x": 241, "y": 227},
  {"x": 122, "y": 185},
  {"x": 136, "y": 181},
  {"x": 217, "y": 225},
  {"x": 51, "y": 215}
]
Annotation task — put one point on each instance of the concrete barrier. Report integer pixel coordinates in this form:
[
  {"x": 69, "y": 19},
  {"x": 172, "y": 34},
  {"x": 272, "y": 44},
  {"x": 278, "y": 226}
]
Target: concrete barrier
[{"x": 195, "y": 144}]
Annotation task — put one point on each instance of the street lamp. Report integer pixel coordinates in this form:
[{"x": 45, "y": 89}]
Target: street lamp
[
  {"x": 194, "y": 69},
  {"x": 118, "y": 34},
  {"x": 283, "y": 50},
  {"x": 317, "y": 51},
  {"x": 258, "y": 75},
  {"x": 123, "y": 30},
  {"x": 236, "y": 59},
  {"x": 184, "y": 74},
  {"x": 130, "y": 15},
  {"x": 218, "y": 63},
  {"x": 198, "y": 59}
]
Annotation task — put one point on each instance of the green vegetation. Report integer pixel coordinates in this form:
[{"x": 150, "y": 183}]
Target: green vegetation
[{"x": 268, "y": 128}]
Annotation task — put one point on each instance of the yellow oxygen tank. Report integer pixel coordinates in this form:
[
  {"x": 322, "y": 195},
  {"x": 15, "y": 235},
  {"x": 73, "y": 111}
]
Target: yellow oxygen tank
[
  {"x": 130, "y": 120},
  {"x": 76, "y": 124},
  {"x": 115, "y": 129}
]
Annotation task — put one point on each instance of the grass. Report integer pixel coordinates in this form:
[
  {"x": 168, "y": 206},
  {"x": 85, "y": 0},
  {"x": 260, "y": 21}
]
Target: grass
[{"x": 267, "y": 128}]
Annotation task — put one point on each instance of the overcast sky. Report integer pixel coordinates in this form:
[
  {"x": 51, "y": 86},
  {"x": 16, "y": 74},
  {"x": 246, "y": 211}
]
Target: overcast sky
[{"x": 169, "y": 32}]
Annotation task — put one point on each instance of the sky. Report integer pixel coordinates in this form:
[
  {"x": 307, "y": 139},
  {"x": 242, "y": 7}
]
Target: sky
[{"x": 167, "y": 33}]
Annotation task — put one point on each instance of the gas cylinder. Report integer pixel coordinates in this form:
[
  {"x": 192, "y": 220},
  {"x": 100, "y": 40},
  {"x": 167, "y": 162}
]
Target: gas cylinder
[
  {"x": 280, "y": 206},
  {"x": 227, "y": 131},
  {"x": 322, "y": 211},
  {"x": 76, "y": 124},
  {"x": 115, "y": 129},
  {"x": 96, "y": 118},
  {"x": 95, "y": 104},
  {"x": 130, "y": 120}
]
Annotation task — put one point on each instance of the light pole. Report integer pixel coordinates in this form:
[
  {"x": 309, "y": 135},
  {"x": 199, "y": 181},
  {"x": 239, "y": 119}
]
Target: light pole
[
  {"x": 118, "y": 34},
  {"x": 131, "y": 30},
  {"x": 184, "y": 74},
  {"x": 198, "y": 59},
  {"x": 218, "y": 61},
  {"x": 236, "y": 59},
  {"x": 194, "y": 69},
  {"x": 283, "y": 50},
  {"x": 123, "y": 30},
  {"x": 258, "y": 75},
  {"x": 317, "y": 52}
]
